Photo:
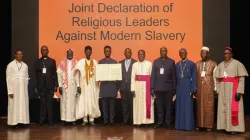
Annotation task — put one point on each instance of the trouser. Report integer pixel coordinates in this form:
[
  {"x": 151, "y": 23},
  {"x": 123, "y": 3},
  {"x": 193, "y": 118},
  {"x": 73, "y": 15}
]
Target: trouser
[
  {"x": 164, "y": 106},
  {"x": 46, "y": 100},
  {"x": 108, "y": 106},
  {"x": 127, "y": 106}
]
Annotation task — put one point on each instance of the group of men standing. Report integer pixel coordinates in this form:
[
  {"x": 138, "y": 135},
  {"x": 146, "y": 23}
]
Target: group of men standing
[{"x": 143, "y": 82}]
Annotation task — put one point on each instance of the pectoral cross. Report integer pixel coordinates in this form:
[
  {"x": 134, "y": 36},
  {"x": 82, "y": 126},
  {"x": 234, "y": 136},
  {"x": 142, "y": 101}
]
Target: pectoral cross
[
  {"x": 182, "y": 69},
  {"x": 182, "y": 75}
]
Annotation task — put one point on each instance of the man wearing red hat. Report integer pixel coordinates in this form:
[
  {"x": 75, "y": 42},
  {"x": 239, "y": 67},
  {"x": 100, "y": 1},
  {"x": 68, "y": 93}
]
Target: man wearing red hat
[{"x": 230, "y": 75}]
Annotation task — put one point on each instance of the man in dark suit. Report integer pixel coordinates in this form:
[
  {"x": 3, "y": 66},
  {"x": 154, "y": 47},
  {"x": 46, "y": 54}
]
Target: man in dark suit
[
  {"x": 46, "y": 84},
  {"x": 126, "y": 95},
  {"x": 163, "y": 83},
  {"x": 108, "y": 91}
]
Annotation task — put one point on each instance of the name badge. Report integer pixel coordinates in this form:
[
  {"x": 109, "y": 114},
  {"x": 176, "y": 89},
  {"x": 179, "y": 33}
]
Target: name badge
[
  {"x": 161, "y": 70},
  {"x": 44, "y": 70},
  {"x": 203, "y": 73},
  {"x": 225, "y": 74}
]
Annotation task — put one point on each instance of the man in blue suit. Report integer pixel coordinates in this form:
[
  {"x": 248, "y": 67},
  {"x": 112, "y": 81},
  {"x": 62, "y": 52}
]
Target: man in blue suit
[{"x": 163, "y": 82}]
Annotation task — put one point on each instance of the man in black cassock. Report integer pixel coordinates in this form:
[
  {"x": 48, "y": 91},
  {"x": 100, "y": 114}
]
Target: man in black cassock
[{"x": 46, "y": 84}]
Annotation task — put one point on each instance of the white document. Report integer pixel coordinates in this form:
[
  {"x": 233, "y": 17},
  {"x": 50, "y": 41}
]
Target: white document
[
  {"x": 161, "y": 70},
  {"x": 203, "y": 73},
  {"x": 44, "y": 70},
  {"x": 108, "y": 72}
]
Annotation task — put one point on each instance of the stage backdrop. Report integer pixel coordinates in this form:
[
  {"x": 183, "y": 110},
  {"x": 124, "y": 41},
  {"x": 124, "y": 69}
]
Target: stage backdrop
[
  {"x": 188, "y": 24},
  {"x": 137, "y": 24}
]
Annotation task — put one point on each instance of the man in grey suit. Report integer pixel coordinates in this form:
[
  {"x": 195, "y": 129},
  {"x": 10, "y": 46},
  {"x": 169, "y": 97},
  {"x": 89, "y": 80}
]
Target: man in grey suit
[
  {"x": 126, "y": 95},
  {"x": 163, "y": 83}
]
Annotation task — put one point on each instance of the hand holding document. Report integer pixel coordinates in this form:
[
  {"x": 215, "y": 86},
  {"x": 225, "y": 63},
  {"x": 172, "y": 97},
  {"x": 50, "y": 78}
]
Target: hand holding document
[{"x": 108, "y": 72}]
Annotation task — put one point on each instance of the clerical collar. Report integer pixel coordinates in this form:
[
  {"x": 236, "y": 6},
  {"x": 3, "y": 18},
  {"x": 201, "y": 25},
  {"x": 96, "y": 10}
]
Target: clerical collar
[{"x": 45, "y": 57}]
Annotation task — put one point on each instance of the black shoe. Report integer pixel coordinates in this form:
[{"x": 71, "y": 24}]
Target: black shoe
[
  {"x": 112, "y": 124},
  {"x": 157, "y": 126},
  {"x": 169, "y": 127},
  {"x": 62, "y": 123},
  {"x": 41, "y": 124},
  {"x": 15, "y": 126},
  {"x": 51, "y": 124},
  {"x": 74, "y": 123},
  {"x": 92, "y": 123},
  {"x": 145, "y": 125},
  {"x": 23, "y": 125},
  {"x": 233, "y": 133},
  {"x": 106, "y": 123},
  {"x": 209, "y": 130},
  {"x": 125, "y": 123},
  {"x": 220, "y": 131},
  {"x": 83, "y": 123},
  {"x": 138, "y": 126}
]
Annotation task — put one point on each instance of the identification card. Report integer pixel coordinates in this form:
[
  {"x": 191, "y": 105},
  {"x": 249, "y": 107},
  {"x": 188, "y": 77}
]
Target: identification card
[
  {"x": 225, "y": 74},
  {"x": 203, "y": 73},
  {"x": 44, "y": 70},
  {"x": 161, "y": 70}
]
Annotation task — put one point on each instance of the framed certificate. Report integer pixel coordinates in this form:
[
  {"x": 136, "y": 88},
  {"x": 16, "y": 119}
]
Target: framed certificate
[{"x": 108, "y": 72}]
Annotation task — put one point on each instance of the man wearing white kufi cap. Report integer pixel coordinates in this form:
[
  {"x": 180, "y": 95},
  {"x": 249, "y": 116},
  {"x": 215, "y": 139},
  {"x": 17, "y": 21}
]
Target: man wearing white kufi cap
[{"x": 206, "y": 88}]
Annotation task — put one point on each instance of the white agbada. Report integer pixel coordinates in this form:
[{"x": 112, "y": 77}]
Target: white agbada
[
  {"x": 87, "y": 104},
  {"x": 17, "y": 83},
  {"x": 68, "y": 98},
  {"x": 139, "y": 101}
]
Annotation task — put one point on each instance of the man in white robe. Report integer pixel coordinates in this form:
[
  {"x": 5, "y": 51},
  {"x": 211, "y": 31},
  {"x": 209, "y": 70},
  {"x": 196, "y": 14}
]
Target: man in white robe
[
  {"x": 17, "y": 84},
  {"x": 143, "y": 102},
  {"x": 87, "y": 105},
  {"x": 67, "y": 88}
]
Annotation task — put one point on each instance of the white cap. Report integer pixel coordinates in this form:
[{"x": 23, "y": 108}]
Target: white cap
[{"x": 205, "y": 48}]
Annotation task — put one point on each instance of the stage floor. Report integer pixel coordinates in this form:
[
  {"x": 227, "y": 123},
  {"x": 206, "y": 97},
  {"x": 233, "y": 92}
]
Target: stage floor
[{"x": 100, "y": 132}]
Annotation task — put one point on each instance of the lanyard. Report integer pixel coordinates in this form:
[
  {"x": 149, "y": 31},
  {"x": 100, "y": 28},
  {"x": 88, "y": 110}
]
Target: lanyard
[
  {"x": 182, "y": 69},
  {"x": 19, "y": 68}
]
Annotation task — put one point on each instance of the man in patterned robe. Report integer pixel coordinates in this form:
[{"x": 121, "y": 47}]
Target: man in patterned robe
[{"x": 205, "y": 90}]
